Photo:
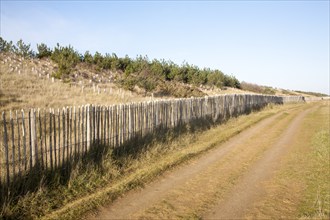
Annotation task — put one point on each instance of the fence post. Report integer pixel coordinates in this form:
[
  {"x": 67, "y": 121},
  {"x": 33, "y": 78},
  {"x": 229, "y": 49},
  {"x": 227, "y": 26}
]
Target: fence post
[
  {"x": 41, "y": 140},
  {"x": 116, "y": 129},
  {"x": 30, "y": 139},
  {"x": 5, "y": 143},
  {"x": 67, "y": 113},
  {"x": 140, "y": 118},
  {"x": 88, "y": 129},
  {"x": 63, "y": 133},
  {"x": 98, "y": 124},
  {"x": 36, "y": 151},
  {"x": 120, "y": 127},
  {"x": 75, "y": 130},
  {"x": 83, "y": 144},
  {"x": 105, "y": 119},
  {"x": 107, "y": 137},
  {"x": 18, "y": 147},
  {"x": 147, "y": 117},
  {"x": 59, "y": 136},
  {"x": 113, "y": 126},
  {"x": 45, "y": 140},
  {"x": 69, "y": 134},
  {"x": 78, "y": 138},
  {"x": 124, "y": 122},
  {"x": 93, "y": 123},
  {"x": 13, "y": 144},
  {"x": 24, "y": 141},
  {"x": 50, "y": 140},
  {"x": 129, "y": 121},
  {"x": 54, "y": 139}
]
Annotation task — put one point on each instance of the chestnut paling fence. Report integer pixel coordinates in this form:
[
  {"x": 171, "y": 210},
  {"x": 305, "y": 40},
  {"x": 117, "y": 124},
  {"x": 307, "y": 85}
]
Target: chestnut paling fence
[{"x": 47, "y": 140}]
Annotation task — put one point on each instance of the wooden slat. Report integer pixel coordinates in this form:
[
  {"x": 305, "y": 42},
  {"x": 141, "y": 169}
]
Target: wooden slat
[
  {"x": 56, "y": 142},
  {"x": 45, "y": 141},
  {"x": 30, "y": 140},
  {"x": 13, "y": 144},
  {"x": 63, "y": 136},
  {"x": 99, "y": 125},
  {"x": 41, "y": 141},
  {"x": 18, "y": 147},
  {"x": 59, "y": 138},
  {"x": 5, "y": 144},
  {"x": 67, "y": 129},
  {"x": 79, "y": 129},
  {"x": 75, "y": 131},
  {"x": 93, "y": 125},
  {"x": 82, "y": 128},
  {"x": 70, "y": 134},
  {"x": 51, "y": 140},
  {"x": 24, "y": 141},
  {"x": 88, "y": 128},
  {"x": 36, "y": 151}
]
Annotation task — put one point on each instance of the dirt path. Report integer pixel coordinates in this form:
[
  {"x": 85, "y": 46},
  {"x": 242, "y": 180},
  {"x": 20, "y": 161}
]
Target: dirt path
[
  {"x": 220, "y": 184},
  {"x": 241, "y": 197}
]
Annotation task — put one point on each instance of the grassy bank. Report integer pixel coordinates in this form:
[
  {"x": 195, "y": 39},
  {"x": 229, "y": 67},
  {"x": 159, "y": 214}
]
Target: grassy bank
[{"x": 316, "y": 202}]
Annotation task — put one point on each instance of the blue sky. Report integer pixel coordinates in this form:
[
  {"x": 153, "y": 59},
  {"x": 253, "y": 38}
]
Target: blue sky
[{"x": 282, "y": 44}]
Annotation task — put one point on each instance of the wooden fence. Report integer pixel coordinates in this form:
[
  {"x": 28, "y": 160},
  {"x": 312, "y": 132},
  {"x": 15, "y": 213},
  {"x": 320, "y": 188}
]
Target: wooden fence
[{"x": 46, "y": 140}]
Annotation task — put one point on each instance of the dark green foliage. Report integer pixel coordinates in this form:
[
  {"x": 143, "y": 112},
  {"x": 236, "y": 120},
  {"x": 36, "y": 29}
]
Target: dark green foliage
[
  {"x": 88, "y": 58},
  {"x": 98, "y": 59},
  {"x": 158, "y": 68},
  {"x": 129, "y": 84},
  {"x": 6, "y": 46},
  {"x": 258, "y": 89},
  {"x": 150, "y": 75},
  {"x": 23, "y": 49},
  {"x": 115, "y": 62},
  {"x": 148, "y": 85},
  {"x": 215, "y": 78},
  {"x": 140, "y": 71},
  {"x": 231, "y": 81},
  {"x": 43, "y": 51},
  {"x": 269, "y": 91},
  {"x": 66, "y": 59},
  {"x": 107, "y": 62},
  {"x": 147, "y": 81},
  {"x": 20, "y": 48},
  {"x": 123, "y": 63}
]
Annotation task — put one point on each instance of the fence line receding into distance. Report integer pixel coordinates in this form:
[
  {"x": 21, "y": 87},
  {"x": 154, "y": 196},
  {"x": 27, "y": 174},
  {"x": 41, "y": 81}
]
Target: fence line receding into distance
[{"x": 46, "y": 140}]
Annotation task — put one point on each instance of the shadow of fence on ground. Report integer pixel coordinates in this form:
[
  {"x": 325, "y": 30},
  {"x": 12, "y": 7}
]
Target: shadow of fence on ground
[{"x": 103, "y": 137}]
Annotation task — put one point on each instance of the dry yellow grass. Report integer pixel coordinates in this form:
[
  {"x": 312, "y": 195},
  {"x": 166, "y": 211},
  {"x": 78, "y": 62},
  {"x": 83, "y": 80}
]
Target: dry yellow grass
[
  {"x": 159, "y": 158},
  {"x": 27, "y": 83}
]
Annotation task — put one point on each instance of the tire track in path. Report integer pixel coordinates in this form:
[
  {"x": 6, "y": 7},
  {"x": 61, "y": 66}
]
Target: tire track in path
[{"x": 242, "y": 196}]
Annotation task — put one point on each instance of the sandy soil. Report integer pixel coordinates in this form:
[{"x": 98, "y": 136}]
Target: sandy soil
[{"x": 221, "y": 184}]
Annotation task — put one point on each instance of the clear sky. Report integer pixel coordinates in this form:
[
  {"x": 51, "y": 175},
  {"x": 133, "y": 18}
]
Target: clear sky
[{"x": 283, "y": 44}]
